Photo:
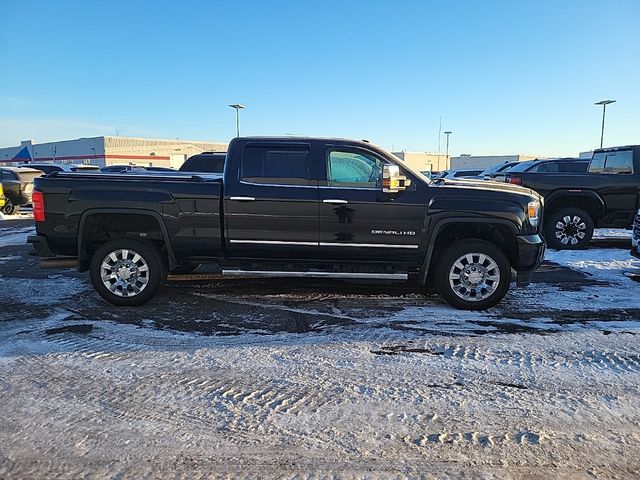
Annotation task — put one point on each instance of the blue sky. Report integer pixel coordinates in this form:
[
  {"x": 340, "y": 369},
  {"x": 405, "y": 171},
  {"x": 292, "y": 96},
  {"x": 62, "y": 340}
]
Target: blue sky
[{"x": 504, "y": 76}]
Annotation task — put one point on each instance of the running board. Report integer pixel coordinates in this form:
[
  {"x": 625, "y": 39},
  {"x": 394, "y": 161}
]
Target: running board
[{"x": 347, "y": 275}]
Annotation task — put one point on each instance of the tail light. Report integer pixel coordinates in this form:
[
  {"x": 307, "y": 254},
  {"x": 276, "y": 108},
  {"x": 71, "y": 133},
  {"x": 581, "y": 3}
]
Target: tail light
[
  {"x": 38, "y": 206},
  {"x": 515, "y": 180}
]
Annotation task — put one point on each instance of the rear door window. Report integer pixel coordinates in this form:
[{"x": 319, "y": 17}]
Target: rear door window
[
  {"x": 620, "y": 162},
  {"x": 574, "y": 167},
  {"x": 275, "y": 165},
  {"x": 548, "y": 167}
]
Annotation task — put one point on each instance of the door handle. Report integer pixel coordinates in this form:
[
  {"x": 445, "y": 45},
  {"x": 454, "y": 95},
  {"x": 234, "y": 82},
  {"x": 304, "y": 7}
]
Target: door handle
[
  {"x": 243, "y": 199},
  {"x": 334, "y": 201}
]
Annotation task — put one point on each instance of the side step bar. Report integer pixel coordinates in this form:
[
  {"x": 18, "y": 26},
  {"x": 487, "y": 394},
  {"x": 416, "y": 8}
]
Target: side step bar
[
  {"x": 64, "y": 262},
  {"x": 280, "y": 274}
]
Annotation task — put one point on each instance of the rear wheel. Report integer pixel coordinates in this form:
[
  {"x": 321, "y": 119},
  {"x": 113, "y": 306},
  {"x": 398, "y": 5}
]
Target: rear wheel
[
  {"x": 9, "y": 207},
  {"x": 127, "y": 272},
  {"x": 569, "y": 228},
  {"x": 473, "y": 275}
]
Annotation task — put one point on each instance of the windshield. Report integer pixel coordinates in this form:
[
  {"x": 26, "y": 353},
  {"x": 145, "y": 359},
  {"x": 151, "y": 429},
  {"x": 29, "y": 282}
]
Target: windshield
[
  {"x": 498, "y": 167},
  {"x": 520, "y": 167}
]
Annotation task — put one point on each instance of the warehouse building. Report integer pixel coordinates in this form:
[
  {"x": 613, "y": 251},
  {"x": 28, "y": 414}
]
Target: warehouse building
[
  {"x": 107, "y": 150},
  {"x": 424, "y": 161}
]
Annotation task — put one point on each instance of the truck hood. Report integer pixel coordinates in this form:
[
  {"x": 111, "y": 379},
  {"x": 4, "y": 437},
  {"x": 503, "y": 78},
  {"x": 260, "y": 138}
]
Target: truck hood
[{"x": 486, "y": 186}]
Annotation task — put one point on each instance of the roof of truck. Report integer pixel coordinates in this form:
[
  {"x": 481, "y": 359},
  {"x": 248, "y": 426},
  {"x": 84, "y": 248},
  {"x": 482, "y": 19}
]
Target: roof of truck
[{"x": 614, "y": 149}]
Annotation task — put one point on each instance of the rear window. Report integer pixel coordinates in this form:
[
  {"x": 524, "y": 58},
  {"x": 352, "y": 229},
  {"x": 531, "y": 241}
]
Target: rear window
[
  {"x": 204, "y": 163},
  {"x": 612, "y": 162},
  {"x": 275, "y": 165}
]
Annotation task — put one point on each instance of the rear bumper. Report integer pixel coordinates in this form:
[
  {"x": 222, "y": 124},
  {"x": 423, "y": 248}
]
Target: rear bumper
[
  {"x": 531, "y": 250},
  {"x": 40, "y": 246}
]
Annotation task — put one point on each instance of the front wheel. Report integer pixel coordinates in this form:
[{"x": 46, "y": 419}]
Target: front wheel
[
  {"x": 473, "y": 275},
  {"x": 568, "y": 228},
  {"x": 127, "y": 272}
]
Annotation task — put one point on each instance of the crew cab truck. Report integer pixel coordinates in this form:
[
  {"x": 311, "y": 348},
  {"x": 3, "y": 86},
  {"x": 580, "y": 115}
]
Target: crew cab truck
[
  {"x": 605, "y": 196},
  {"x": 293, "y": 207}
]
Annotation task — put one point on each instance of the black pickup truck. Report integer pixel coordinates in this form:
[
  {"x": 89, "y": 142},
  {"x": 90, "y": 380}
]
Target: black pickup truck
[
  {"x": 605, "y": 196},
  {"x": 293, "y": 207}
]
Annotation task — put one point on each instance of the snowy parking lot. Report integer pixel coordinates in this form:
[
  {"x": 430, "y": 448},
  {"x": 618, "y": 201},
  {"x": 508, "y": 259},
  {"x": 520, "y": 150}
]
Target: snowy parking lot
[{"x": 251, "y": 378}]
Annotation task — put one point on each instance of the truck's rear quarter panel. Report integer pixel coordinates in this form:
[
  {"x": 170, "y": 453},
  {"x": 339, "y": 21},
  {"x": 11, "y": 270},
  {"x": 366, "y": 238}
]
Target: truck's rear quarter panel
[{"x": 188, "y": 208}]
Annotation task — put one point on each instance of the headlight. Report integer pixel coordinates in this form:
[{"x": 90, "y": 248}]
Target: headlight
[{"x": 533, "y": 213}]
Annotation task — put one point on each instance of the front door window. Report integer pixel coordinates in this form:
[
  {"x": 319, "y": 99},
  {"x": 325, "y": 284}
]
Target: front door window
[{"x": 349, "y": 169}]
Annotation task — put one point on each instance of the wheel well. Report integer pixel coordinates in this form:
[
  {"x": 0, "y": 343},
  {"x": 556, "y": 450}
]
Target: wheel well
[
  {"x": 100, "y": 228},
  {"x": 500, "y": 235},
  {"x": 588, "y": 204}
]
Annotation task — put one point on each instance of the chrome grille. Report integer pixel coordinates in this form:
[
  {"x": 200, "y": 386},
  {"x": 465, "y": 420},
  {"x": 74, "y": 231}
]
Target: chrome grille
[{"x": 636, "y": 226}]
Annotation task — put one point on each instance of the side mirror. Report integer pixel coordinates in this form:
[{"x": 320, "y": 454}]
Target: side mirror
[{"x": 392, "y": 180}]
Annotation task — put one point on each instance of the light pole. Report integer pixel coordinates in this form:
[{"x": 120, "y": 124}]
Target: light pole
[
  {"x": 447, "y": 134},
  {"x": 237, "y": 106},
  {"x": 604, "y": 104}
]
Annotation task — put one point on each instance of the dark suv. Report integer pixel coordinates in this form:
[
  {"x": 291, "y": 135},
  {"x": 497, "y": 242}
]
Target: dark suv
[
  {"x": 17, "y": 183},
  {"x": 551, "y": 165}
]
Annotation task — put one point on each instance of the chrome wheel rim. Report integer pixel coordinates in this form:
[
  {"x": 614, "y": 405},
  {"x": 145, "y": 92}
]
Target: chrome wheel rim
[
  {"x": 474, "y": 276},
  {"x": 124, "y": 272},
  {"x": 570, "y": 230}
]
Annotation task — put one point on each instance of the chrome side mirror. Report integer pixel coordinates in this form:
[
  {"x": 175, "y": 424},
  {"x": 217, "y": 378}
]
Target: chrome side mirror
[{"x": 392, "y": 180}]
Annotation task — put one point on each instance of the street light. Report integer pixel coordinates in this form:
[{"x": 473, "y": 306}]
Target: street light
[
  {"x": 237, "y": 106},
  {"x": 447, "y": 134},
  {"x": 604, "y": 104}
]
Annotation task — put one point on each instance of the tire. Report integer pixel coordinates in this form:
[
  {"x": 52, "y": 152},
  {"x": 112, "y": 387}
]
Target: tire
[
  {"x": 491, "y": 274},
  {"x": 185, "y": 268},
  {"x": 9, "y": 207},
  {"x": 568, "y": 229},
  {"x": 122, "y": 290}
]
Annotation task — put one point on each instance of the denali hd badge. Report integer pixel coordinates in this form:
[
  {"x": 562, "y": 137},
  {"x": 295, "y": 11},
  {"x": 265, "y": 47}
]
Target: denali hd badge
[{"x": 392, "y": 232}]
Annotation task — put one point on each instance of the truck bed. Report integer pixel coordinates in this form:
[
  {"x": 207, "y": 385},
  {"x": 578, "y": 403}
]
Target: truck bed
[{"x": 187, "y": 205}]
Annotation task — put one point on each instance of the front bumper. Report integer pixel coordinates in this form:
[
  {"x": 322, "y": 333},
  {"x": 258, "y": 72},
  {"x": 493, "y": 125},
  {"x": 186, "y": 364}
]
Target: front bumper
[
  {"x": 40, "y": 246},
  {"x": 531, "y": 250}
]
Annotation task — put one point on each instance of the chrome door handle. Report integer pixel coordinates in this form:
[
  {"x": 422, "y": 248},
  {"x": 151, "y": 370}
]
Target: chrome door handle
[
  {"x": 242, "y": 199},
  {"x": 334, "y": 201}
]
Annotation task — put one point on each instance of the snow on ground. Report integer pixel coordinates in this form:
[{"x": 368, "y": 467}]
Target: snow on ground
[
  {"x": 23, "y": 213},
  {"x": 15, "y": 236},
  {"x": 396, "y": 387},
  {"x": 611, "y": 233},
  {"x": 123, "y": 401}
]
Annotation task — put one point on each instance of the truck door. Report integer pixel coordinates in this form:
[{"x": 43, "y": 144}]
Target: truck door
[
  {"x": 360, "y": 222},
  {"x": 271, "y": 208},
  {"x": 619, "y": 185}
]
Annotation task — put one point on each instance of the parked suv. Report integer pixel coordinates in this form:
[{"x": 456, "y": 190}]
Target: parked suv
[
  {"x": 17, "y": 183},
  {"x": 551, "y": 165}
]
